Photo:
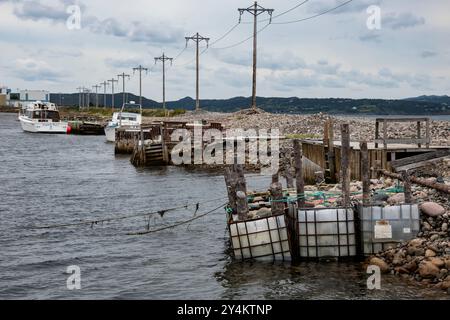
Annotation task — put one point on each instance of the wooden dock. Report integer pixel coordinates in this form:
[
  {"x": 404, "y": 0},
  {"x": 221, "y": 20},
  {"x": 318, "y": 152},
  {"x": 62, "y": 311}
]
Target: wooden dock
[
  {"x": 326, "y": 153},
  {"x": 152, "y": 144}
]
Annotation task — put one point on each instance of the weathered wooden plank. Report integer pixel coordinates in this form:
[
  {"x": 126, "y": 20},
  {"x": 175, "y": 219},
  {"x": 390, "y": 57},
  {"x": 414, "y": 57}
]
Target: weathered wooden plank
[
  {"x": 418, "y": 164},
  {"x": 407, "y": 187},
  {"x": 400, "y": 119},
  {"x": 299, "y": 181},
  {"x": 423, "y": 182},
  {"x": 276, "y": 193},
  {"x": 419, "y": 158},
  {"x": 345, "y": 169},
  {"x": 365, "y": 172}
]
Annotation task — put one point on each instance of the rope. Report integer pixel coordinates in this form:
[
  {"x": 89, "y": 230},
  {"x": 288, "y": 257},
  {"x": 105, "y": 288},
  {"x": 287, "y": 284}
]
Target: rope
[
  {"x": 94, "y": 222},
  {"x": 176, "y": 224}
]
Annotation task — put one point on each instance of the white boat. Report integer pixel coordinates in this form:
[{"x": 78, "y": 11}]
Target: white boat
[
  {"x": 128, "y": 120},
  {"x": 40, "y": 117}
]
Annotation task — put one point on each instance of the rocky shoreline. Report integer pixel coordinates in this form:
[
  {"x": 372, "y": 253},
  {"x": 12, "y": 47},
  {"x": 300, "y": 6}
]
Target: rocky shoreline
[
  {"x": 426, "y": 258},
  {"x": 311, "y": 126}
]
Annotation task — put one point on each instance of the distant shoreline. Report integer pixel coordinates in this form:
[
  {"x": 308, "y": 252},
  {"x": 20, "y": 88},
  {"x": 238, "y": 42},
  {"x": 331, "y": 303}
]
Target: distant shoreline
[{"x": 434, "y": 116}]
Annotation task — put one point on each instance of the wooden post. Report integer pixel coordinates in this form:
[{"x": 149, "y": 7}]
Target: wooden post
[
  {"x": 418, "y": 134},
  {"x": 427, "y": 133},
  {"x": 331, "y": 155},
  {"x": 241, "y": 205},
  {"x": 230, "y": 183},
  {"x": 365, "y": 173},
  {"x": 299, "y": 181},
  {"x": 289, "y": 177},
  {"x": 384, "y": 133},
  {"x": 345, "y": 164},
  {"x": 276, "y": 193},
  {"x": 407, "y": 187},
  {"x": 326, "y": 131},
  {"x": 377, "y": 132},
  {"x": 275, "y": 177},
  {"x": 242, "y": 186}
]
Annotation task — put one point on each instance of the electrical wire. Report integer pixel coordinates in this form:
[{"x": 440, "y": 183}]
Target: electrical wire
[
  {"x": 316, "y": 15},
  {"x": 281, "y": 14},
  {"x": 224, "y": 35},
  {"x": 243, "y": 41}
]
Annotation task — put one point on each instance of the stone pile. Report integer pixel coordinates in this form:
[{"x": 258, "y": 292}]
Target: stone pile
[{"x": 312, "y": 125}]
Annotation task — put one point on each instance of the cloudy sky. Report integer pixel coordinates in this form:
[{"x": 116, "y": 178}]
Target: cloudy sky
[{"x": 333, "y": 55}]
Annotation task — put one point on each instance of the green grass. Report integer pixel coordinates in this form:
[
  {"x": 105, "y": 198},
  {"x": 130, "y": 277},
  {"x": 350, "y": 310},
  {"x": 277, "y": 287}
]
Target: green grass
[{"x": 303, "y": 136}]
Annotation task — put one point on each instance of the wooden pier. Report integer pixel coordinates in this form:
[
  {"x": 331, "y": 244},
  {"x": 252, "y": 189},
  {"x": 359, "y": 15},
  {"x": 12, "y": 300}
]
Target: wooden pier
[
  {"x": 326, "y": 153},
  {"x": 152, "y": 144}
]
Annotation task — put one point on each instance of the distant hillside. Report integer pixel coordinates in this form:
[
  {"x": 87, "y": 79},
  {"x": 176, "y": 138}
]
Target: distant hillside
[
  {"x": 424, "y": 105},
  {"x": 434, "y": 99}
]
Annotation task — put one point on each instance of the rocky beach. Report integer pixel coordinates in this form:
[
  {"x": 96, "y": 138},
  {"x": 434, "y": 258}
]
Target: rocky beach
[{"x": 311, "y": 126}]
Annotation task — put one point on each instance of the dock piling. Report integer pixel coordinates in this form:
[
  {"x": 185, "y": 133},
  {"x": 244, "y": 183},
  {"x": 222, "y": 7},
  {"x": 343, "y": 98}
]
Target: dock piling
[
  {"x": 345, "y": 161},
  {"x": 299, "y": 181}
]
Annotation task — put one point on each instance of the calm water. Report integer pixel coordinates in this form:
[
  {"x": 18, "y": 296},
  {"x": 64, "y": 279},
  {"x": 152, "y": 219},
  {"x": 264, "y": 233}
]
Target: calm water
[{"x": 48, "y": 179}]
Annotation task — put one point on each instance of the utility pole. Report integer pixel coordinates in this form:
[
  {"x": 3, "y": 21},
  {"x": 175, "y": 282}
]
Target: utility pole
[
  {"x": 88, "y": 92},
  {"x": 164, "y": 58},
  {"x": 112, "y": 84},
  {"x": 197, "y": 39},
  {"x": 79, "y": 97},
  {"x": 140, "y": 69},
  {"x": 255, "y": 10},
  {"x": 104, "y": 84},
  {"x": 96, "y": 87},
  {"x": 123, "y": 75}
]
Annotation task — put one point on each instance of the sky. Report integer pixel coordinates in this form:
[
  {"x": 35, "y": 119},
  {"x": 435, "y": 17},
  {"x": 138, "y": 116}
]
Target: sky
[{"x": 351, "y": 52}]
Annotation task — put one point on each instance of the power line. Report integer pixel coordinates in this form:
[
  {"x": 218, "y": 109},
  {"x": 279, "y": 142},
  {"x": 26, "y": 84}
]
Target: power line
[
  {"x": 289, "y": 10},
  {"x": 316, "y": 15},
  {"x": 280, "y": 14},
  {"x": 225, "y": 35},
  {"x": 242, "y": 41}
]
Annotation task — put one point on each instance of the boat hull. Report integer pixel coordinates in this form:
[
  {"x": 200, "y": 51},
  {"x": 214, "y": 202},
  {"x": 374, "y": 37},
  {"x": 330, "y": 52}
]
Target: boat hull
[
  {"x": 110, "y": 133},
  {"x": 43, "y": 127}
]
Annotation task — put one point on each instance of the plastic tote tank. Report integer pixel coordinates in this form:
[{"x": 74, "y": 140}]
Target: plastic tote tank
[
  {"x": 328, "y": 232},
  {"x": 260, "y": 239},
  {"x": 384, "y": 227}
]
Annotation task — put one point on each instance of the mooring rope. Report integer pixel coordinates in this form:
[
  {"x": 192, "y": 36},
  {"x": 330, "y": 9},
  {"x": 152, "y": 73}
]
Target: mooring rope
[
  {"x": 97, "y": 221},
  {"x": 176, "y": 224}
]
